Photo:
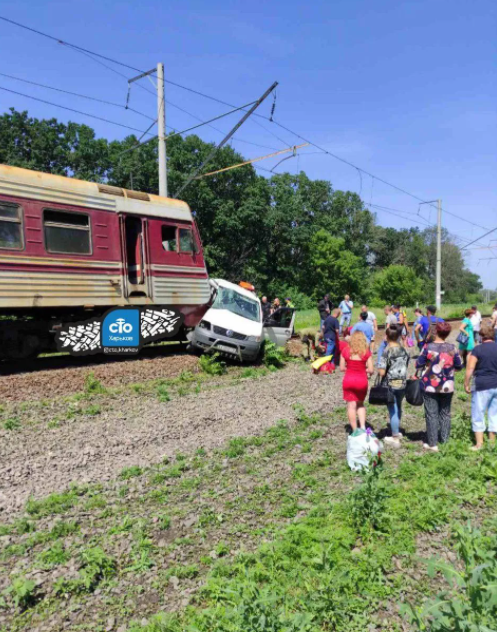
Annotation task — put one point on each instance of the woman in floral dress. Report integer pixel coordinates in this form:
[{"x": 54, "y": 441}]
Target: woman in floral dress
[{"x": 440, "y": 360}]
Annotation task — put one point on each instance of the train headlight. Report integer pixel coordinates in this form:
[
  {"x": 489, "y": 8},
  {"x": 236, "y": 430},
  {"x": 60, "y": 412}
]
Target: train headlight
[
  {"x": 204, "y": 324},
  {"x": 254, "y": 338}
]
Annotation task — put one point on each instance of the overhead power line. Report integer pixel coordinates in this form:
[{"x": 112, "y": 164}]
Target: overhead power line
[
  {"x": 479, "y": 238},
  {"x": 76, "y": 94},
  {"x": 64, "y": 107},
  {"x": 212, "y": 98}
]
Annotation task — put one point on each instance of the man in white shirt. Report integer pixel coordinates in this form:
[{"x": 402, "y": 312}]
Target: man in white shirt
[
  {"x": 476, "y": 322},
  {"x": 371, "y": 319},
  {"x": 346, "y": 308}
]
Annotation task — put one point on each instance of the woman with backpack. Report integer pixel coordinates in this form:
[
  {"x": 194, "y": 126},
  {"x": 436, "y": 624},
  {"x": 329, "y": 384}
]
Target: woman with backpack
[
  {"x": 439, "y": 361},
  {"x": 466, "y": 338},
  {"x": 393, "y": 368}
]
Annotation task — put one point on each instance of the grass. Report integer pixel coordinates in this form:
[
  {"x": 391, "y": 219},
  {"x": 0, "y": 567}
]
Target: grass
[
  {"x": 268, "y": 532},
  {"x": 308, "y": 319}
]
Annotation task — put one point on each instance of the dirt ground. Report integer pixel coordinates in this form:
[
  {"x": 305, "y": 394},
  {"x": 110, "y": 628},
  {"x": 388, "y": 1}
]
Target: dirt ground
[{"x": 38, "y": 460}]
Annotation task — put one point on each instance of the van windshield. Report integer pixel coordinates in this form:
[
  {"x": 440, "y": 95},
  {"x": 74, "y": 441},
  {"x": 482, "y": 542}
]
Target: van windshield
[{"x": 237, "y": 303}]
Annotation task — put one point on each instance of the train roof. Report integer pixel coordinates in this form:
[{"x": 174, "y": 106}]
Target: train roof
[{"x": 25, "y": 183}]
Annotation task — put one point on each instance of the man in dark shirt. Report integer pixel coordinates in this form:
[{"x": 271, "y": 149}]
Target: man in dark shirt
[
  {"x": 330, "y": 333},
  {"x": 266, "y": 308},
  {"x": 324, "y": 307}
]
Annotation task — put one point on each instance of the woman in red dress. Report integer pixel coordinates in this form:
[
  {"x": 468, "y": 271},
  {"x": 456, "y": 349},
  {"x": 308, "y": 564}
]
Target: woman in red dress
[{"x": 357, "y": 362}]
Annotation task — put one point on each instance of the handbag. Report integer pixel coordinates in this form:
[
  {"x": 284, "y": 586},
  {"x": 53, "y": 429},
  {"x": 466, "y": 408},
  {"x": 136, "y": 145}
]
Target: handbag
[
  {"x": 380, "y": 394},
  {"x": 462, "y": 338},
  {"x": 414, "y": 391}
]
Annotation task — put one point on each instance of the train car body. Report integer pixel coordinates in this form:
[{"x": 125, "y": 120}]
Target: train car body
[{"x": 70, "y": 248}]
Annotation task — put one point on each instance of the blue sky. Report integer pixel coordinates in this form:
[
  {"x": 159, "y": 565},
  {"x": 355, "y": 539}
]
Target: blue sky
[{"x": 405, "y": 90}]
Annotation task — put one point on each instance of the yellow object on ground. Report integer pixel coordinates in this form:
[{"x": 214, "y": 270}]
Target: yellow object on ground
[{"x": 317, "y": 364}]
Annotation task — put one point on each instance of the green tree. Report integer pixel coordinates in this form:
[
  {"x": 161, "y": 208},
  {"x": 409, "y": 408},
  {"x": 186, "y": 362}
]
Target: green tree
[
  {"x": 397, "y": 284},
  {"x": 333, "y": 268}
]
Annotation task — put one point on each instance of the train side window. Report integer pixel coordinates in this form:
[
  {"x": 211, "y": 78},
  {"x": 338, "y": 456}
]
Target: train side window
[
  {"x": 67, "y": 233},
  {"x": 187, "y": 241},
  {"x": 11, "y": 236},
  {"x": 169, "y": 238}
]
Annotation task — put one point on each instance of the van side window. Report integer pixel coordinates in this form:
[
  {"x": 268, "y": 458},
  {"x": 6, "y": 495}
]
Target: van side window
[
  {"x": 11, "y": 236},
  {"x": 168, "y": 238},
  {"x": 187, "y": 241}
]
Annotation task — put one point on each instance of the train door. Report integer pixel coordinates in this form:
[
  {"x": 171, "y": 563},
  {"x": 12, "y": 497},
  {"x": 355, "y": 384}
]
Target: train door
[{"x": 136, "y": 281}]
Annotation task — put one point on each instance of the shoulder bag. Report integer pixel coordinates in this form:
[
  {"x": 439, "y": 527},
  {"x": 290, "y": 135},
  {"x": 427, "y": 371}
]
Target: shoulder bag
[
  {"x": 380, "y": 394},
  {"x": 462, "y": 338},
  {"x": 414, "y": 390}
]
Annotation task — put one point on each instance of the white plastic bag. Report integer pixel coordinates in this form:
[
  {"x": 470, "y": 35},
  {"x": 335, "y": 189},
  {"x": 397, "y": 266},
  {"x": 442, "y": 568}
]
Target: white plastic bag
[{"x": 362, "y": 445}]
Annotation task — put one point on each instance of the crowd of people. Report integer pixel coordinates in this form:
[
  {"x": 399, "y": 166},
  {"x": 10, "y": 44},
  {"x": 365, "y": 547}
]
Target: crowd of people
[{"x": 352, "y": 346}]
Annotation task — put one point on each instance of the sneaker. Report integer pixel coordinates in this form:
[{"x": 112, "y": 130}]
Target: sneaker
[
  {"x": 433, "y": 448},
  {"x": 476, "y": 448},
  {"x": 393, "y": 441}
]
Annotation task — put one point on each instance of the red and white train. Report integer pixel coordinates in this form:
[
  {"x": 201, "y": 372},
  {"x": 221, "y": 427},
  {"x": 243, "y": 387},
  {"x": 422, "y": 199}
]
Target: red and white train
[{"x": 70, "y": 249}]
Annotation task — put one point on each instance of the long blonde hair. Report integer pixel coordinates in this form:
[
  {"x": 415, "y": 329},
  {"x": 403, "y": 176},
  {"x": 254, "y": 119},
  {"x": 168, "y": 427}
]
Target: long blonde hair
[{"x": 358, "y": 344}]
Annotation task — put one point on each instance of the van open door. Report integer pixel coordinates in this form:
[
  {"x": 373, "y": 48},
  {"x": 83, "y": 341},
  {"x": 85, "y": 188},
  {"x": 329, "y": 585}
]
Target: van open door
[{"x": 278, "y": 328}]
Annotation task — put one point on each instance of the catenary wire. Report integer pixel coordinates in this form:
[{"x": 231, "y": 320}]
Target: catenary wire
[
  {"x": 115, "y": 61},
  {"x": 64, "y": 107},
  {"x": 76, "y": 94}
]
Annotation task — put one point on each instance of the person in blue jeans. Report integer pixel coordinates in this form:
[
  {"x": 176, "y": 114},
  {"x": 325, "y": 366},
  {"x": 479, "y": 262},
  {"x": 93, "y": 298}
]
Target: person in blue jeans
[
  {"x": 482, "y": 363},
  {"x": 392, "y": 366},
  {"x": 390, "y": 319},
  {"x": 346, "y": 308},
  {"x": 330, "y": 332}
]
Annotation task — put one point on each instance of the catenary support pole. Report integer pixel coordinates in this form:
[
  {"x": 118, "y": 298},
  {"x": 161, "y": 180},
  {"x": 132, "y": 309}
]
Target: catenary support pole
[
  {"x": 438, "y": 291},
  {"x": 161, "y": 122}
]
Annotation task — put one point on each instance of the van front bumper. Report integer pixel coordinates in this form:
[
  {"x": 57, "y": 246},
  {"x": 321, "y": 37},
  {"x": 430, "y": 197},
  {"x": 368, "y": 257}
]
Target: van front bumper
[{"x": 207, "y": 340}]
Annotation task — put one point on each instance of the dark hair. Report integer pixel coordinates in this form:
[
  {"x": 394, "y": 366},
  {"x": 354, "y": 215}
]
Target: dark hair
[
  {"x": 431, "y": 308},
  {"x": 443, "y": 330},
  {"x": 363, "y": 315},
  {"x": 474, "y": 307},
  {"x": 396, "y": 306},
  {"x": 468, "y": 312},
  {"x": 393, "y": 333},
  {"x": 487, "y": 330},
  {"x": 418, "y": 309}
]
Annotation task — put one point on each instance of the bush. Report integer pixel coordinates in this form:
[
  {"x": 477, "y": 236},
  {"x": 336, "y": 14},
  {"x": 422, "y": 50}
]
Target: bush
[
  {"x": 273, "y": 357},
  {"x": 210, "y": 364},
  {"x": 93, "y": 386},
  {"x": 23, "y": 592},
  {"x": 470, "y": 603}
]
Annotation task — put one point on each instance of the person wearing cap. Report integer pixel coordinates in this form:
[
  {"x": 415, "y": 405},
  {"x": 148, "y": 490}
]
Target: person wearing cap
[{"x": 288, "y": 303}]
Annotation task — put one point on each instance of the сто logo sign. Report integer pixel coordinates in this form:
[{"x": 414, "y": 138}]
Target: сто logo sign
[{"x": 121, "y": 328}]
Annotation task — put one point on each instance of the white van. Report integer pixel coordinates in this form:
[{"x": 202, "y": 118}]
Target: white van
[{"x": 234, "y": 327}]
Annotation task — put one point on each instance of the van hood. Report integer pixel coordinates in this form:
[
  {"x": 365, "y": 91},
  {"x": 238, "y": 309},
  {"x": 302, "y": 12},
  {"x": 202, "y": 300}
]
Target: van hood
[{"x": 228, "y": 320}]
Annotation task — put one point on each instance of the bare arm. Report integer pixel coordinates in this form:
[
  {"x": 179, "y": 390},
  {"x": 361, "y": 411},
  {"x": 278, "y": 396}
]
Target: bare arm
[
  {"x": 470, "y": 369},
  {"x": 375, "y": 325},
  {"x": 417, "y": 329},
  {"x": 370, "y": 366},
  {"x": 343, "y": 364},
  {"x": 463, "y": 327},
  {"x": 382, "y": 372}
]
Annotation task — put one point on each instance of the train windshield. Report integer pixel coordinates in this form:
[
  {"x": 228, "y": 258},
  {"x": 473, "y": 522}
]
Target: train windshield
[{"x": 237, "y": 304}]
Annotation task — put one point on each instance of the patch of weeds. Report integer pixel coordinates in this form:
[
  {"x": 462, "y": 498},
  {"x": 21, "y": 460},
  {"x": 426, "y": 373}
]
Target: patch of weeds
[
  {"x": 162, "y": 393},
  {"x": 23, "y": 525},
  {"x": 236, "y": 448},
  {"x": 191, "y": 483},
  {"x": 22, "y": 592},
  {"x": 123, "y": 491},
  {"x": 222, "y": 549},
  {"x": 138, "y": 388},
  {"x": 273, "y": 357},
  {"x": 52, "y": 504},
  {"x": 12, "y": 424},
  {"x": 164, "y": 522},
  {"x": 53, "y": 556},
  {"x": 95, "y": 502},
  {"x": 469, "y": 603},
  {"x": 93, "y": 386},
  {"x": 92, "y": 411},
  {"x": 96, "y": 566},
  {"x": 367, "y": 503},
  {"x": 182, "y": 391},
  {"x": 186, "y": 376},
  {"x": 211, "y": 365},
  {"x": 54, "y": 423},
  {"x": 186, "y": 571},
  {"x": 461, "y": 427},
  {"x": 130, "y": 472},
  {"x": 200, "y": 452}
]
